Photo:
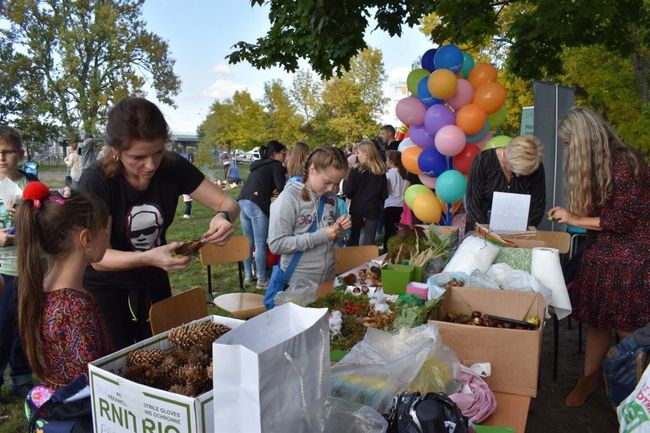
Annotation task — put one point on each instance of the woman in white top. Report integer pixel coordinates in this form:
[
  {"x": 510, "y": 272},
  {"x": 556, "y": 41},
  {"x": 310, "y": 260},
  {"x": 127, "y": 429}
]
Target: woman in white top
[
  {"x": 73, "y": 161},
  {"x": 393, "y": 206}
]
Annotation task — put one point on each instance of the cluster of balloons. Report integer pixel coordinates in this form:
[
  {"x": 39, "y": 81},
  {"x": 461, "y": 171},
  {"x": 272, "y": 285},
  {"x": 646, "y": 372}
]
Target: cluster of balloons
[{"x": 454, "y": 104}]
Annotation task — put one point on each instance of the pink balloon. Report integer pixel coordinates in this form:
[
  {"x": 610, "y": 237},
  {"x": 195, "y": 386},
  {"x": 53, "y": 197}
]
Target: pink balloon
[
  {"x": 410, "y": 111},
  {"x": 450, "y": 140},
  {"x": 483, "y": 141},
  {"x": 427, "y": 180},
  {"x": 464, "y": 94}
]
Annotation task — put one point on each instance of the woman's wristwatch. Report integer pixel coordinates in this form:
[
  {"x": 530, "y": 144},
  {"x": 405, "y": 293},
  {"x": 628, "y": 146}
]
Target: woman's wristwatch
[{"x": 225, "y": 214}]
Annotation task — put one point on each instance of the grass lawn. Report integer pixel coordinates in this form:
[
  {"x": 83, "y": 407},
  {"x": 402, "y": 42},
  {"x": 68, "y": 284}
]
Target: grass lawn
[{"x": 224, "y": 277}]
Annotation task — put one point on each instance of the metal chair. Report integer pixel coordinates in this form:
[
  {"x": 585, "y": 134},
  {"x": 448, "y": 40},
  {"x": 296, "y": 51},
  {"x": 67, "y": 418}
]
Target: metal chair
[
  {"x": 348, "y": 258},
  {"x": 181, "y": 308}
]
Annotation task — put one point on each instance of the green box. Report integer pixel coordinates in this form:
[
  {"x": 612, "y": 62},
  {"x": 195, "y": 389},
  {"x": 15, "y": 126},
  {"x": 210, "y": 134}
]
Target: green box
[
  {"x": 418, "y": 274},
  {"x": 394, "y": 278}
]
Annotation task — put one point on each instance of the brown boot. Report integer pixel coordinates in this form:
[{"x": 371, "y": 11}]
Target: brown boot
[{"x": 586, "y": 386}]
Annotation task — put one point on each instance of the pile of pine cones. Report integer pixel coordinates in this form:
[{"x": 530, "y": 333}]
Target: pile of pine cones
[{"x": 186, "y": 369}]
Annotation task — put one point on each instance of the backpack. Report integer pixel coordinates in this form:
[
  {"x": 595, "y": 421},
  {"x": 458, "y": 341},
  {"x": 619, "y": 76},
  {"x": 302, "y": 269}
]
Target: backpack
[
  {"x": 433, "y": 413},
  {"x": 61, "y": 413},
  {"x": 621, "y": 367}
]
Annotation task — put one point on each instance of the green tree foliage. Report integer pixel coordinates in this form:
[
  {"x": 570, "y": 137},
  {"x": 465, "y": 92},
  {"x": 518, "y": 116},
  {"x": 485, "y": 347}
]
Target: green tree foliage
[
  {"x": 235, "y": 123},
  {"x": 329, "y": 33},
  {"x": 338, "y": 111},
  {"x": 282, "y": 121},
  {"x": 607, "y": 83},
  {"x": 353, "y": 103},
  {"x": 78, "y": 57},
  {"x": 305, "y": 93}
]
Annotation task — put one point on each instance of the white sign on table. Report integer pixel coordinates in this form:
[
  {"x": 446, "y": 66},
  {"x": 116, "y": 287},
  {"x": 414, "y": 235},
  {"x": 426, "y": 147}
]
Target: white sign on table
[{"x": 509, "y": 212}]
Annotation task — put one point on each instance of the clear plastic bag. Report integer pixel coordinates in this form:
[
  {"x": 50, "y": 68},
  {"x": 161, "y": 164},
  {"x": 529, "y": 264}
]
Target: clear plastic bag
[
  {"x": 301, "y": 291},
  {"x": 481, "y": 280},
  {"x": 382, "y": 365},
  {"x": 341, "y": 416},
  {"x": 514, "y": 279}
]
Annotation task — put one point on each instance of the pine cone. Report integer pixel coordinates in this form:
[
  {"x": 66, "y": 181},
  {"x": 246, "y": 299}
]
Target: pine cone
[
  {"x": 189, "y": 248},
  {"x": 169, "y": 364},
  {"x": 201, "y": 334},
  {"x": 198, "y": 357},
  {"x": 182, "y": 389},
  {"x": 208, "y": 370},
  {"x": 139, "y": 374},
  {"x": 193, "y": 374},
  {"x": 145, "y": 357}
]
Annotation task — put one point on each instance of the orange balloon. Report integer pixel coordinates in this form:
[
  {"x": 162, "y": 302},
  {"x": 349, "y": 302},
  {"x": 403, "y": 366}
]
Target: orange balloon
[
  {"x": 482, "y": 73},
  {"x": 410, "y": 159},
  {"x": 471, "y": 119},
  {"x": 490, "y": 97},
  {"x": 442, "y": 83},
  {"x": 427, "y": 208}
]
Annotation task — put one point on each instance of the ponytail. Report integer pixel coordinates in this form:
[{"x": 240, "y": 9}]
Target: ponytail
[{"x": 31, "y": 270}]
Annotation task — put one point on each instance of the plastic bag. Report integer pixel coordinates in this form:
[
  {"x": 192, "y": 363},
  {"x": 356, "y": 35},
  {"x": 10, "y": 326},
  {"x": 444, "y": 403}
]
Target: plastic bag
[
  {"x": 301, "y": 291},
  {"x": 481, "y": 280},
  {"x": 341, "y": 416},
  {"x": 436, "y": 283},
  {"x": 382, "y": 365},
  {"x": 475, "y": 399},
  {"x": 513, "y": 279},
  {"x": 634, "y": 412}
]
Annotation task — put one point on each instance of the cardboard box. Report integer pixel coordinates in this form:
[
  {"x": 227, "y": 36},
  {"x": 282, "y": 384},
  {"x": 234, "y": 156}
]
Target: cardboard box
[
  {"x": 558, "y": 240},
  {"x": 122, "y": 406},
  {"x": 514, "y": 354}
]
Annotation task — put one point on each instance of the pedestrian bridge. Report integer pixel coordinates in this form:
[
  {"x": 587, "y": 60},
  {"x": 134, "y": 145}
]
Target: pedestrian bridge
[{"x": 184, "y": 139}]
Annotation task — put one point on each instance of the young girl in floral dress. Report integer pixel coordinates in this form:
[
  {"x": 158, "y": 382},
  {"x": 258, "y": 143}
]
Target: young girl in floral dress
[{"x": 60, "y": 325}]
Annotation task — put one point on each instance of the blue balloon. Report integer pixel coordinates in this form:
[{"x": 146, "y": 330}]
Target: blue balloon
[
  {"x": 431, "y": 162},
  {"x": 425, "y": 95},
  {"x": 427, "y": 59},
  {"x": 449, "y": 57},
  {"x": 479, "y": 135},
  {"x": 451, "y": 186}
]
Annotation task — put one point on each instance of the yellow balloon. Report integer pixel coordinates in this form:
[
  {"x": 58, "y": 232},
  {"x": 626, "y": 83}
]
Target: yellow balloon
[
  {"x": 427, "y": 208},
  {"x": 442, "y": 83}
]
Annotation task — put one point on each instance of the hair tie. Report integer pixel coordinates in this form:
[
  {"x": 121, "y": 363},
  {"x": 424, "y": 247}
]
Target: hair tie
[{"x": 36, "y": 192}]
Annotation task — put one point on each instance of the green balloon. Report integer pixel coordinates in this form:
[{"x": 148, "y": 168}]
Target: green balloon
[
  {"x": 498, "y": 141},
  {"x": 413, "y": 191},
  {"x": 496, "y": 119},
  {"x": 468, "y": 64},
  {"x": 414, "y": 78}
]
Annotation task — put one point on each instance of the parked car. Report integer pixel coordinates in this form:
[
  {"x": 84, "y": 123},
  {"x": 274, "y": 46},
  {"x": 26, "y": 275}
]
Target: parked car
[{"x": 250, "y": 156}]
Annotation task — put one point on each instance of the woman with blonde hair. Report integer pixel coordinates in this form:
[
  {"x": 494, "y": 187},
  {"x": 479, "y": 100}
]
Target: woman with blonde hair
[
  {"x": 296, "y": 161},
  {"x": 366, "y": 187},
  {"x": 516, "y": 168},
  {"x": 608, "y": 192}
]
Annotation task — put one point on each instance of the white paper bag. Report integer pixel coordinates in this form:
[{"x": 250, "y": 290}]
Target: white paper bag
[
  {"x": 546, "y": 267},
  {"x": 272, "y": 373}
]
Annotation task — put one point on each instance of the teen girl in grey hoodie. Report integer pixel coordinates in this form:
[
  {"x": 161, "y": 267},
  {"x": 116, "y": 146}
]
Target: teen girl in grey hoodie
[{"x": 295, "y": 210}]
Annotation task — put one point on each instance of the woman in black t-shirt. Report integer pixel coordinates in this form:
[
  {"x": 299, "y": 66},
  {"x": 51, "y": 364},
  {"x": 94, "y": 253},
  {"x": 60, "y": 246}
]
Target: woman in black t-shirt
[
  {"x": 367, "y": 189},
  {"x": 140, "y": 183}
]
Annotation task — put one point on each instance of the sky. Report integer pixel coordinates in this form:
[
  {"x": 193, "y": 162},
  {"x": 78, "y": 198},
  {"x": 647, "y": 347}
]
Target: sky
[{"x": 200, "y": 34}]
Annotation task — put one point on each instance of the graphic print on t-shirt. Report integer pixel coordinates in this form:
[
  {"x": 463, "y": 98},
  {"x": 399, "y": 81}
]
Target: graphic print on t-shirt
[{"x": 144, "y": 224}]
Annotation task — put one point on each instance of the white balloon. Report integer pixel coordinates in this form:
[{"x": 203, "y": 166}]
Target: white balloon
[{"x": 405, "y": 144}]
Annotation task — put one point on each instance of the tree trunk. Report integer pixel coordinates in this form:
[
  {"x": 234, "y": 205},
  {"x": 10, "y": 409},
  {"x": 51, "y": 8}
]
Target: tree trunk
[{"x": 641, "y": 72}]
